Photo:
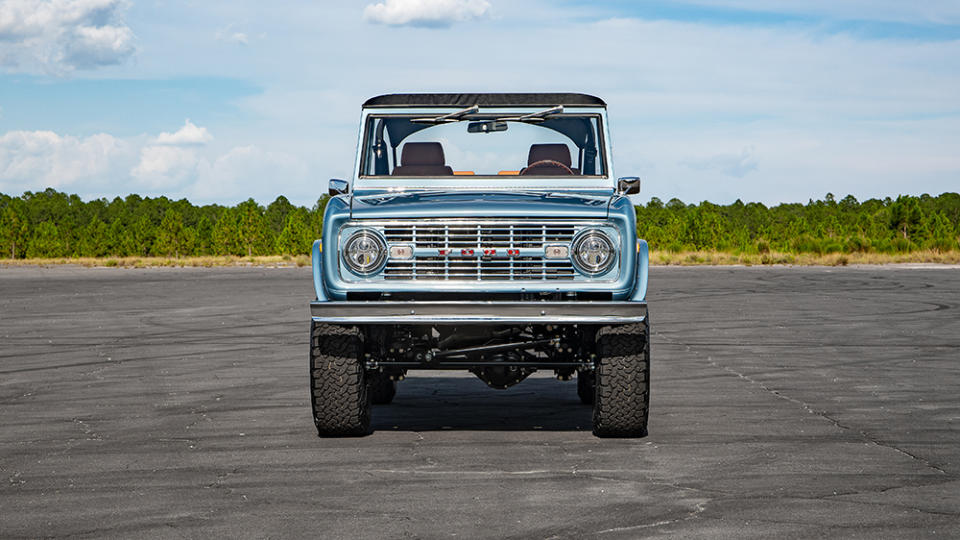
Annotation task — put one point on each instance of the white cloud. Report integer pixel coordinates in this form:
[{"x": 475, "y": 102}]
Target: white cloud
[
  {"x": 425, "y": 13},
  {"x": 171, "y": 160},
  {"x": 246, "y": 171},
  {"x": 58, "y": 36},
  {"x": 105, "y": 165},
  {"x": 165, "y": 167},
  {"x": 34, "y": 160},
  {"x": 98, "y": 46},
  {"x": 188, "y": 135}
]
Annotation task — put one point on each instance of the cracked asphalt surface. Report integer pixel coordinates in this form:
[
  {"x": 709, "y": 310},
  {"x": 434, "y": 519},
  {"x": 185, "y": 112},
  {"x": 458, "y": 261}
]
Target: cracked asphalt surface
[{"x": 787, "y": 402}]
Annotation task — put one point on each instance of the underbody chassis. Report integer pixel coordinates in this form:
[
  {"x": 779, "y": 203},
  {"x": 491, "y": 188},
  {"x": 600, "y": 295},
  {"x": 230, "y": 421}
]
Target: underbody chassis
[
  {"x": 372, "y": 344},
  {"x": 470, "y": 335}
]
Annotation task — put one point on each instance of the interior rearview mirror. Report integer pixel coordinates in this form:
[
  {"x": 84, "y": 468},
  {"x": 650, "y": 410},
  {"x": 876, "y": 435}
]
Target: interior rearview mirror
[
  {"x": 338, "y": 187},
  {"x": 629, "y": 185},
  {"x": 486, "y": 127}
]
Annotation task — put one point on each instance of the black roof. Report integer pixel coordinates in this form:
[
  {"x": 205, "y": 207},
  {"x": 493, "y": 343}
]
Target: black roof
[{"x": 488, "y": 100}]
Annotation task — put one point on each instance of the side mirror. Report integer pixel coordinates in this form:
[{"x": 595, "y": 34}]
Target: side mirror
[
  {"x": 338, "y": 187},
  {"x": 628, "y": 185}
]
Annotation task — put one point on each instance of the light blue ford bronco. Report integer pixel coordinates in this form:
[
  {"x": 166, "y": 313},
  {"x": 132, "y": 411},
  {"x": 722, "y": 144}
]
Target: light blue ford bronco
[{"x": 486, "y": 233}]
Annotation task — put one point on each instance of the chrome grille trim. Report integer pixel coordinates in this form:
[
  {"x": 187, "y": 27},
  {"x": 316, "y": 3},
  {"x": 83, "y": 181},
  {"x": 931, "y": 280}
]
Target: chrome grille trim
[
  {"x": 478, "y": 269},
  {"x": 429, "y": 238},
  {"x": 494, "y": 234}
]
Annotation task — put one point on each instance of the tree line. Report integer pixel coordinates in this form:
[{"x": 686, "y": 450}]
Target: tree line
[
  {"x": 52, "y": 224},
  {"x": 887, "y": 225}
]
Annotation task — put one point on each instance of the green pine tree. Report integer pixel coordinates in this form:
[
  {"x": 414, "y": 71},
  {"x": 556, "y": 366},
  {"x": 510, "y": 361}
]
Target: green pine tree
[
  {"x": 14, "y": 231},
  {"x": 905, "y": 215},
  {"x": 45, "y": 242},
  {"x": 941, "y": 233},
  {"x": 94, "y": 242},
  {"x": 252, "y": 229},
  {"x": 296, "y": 236},
  {"x": 119, "y": 241},
  {"x": 225, "y": 235},
  {"x": 276, "y": 214},
  {"x": 173, "y": 238},
  {"x": 203, "y": 237}
]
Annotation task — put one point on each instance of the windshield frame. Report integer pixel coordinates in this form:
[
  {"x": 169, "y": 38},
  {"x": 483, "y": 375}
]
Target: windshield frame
[{"x": 378, "y": 183}]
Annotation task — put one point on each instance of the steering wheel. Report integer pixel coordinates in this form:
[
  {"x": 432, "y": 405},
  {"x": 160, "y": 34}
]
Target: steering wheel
[{"x": 542, "y": 168}]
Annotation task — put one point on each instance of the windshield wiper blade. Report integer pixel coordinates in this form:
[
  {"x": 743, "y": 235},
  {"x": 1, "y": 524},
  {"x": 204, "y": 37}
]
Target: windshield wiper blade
[
  {"x": 538, "y": 116},
  {"x": 451, "y": 117}
]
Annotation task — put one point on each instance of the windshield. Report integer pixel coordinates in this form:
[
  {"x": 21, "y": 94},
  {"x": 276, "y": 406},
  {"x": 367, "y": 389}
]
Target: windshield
[{"x": 474, "y": 144}]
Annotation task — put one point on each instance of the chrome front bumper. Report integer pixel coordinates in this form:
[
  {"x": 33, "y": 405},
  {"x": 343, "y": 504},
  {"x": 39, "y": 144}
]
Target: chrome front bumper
[{"x": 456, "y": 312}]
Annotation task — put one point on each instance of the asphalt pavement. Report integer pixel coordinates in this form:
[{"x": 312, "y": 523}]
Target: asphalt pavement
[{"x": 786, "y": 402}]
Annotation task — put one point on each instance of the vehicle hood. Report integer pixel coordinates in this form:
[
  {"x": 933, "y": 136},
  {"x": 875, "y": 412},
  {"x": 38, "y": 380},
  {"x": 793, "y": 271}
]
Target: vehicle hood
[{"x": 435, "y": 204}]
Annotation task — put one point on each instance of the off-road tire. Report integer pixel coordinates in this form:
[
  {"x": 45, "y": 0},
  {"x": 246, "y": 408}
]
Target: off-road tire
[
  {"x": 382, "y": 389},
  {"x": 338, "y": 387},
  {"x": 586, "y": 386},
  {"x": 623, "y": 381}
]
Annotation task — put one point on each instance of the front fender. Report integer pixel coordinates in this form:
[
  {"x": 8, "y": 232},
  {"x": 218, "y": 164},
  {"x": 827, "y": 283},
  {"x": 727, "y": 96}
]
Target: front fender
[
  {"x": 337, "y": 212},
  {"x": 318, "y": 272},
  {"x": 643, "y": 272}
]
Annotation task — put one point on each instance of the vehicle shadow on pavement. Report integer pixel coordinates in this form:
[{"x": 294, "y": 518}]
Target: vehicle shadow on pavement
[{"x": 432, "y": 403}]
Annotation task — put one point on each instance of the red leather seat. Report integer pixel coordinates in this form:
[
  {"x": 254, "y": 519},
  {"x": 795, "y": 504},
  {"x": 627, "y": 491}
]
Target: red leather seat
[
  {"x": 558, "y": 152},
  {"x": 422, "y": 159}
]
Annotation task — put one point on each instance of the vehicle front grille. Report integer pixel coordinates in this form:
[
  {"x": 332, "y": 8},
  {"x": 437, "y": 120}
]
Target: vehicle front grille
[
  {"x": 441, "y": 249},
  {"x": 436, "y": 268},
  {"x": 490, "y": 236}
]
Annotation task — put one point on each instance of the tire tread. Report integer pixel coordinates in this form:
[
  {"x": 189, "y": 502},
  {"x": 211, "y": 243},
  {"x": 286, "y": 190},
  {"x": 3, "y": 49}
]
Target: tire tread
[
  {"x": 622, "y": 396},
  {"x": 339, "y": 392}
]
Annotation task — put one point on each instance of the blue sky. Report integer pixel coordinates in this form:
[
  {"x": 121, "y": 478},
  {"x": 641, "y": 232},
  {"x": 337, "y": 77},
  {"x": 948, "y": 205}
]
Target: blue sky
[{"x": 709, "y": 99}]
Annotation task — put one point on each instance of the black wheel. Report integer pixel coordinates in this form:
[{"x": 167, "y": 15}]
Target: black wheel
[
  {"x": 586, "y": 386},
  {"x": 623, "y": 381},
  {"x": 382, "y": 389},
  {"x": 338, "y": 386}
]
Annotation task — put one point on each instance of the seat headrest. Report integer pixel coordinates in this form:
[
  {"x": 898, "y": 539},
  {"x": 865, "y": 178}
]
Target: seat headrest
[
  {"x": 553, "y": 152},
  {"x": 422, "y": 153}
]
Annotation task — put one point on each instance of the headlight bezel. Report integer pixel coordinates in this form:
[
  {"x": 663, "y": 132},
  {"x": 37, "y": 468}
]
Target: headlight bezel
[
  {"x": 593, "y": 269},
  {"x": 378, "y": 262}
]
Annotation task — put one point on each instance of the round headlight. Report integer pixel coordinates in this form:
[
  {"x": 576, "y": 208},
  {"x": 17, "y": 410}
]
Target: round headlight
[
  {"x": 593, "y": 252},
  {"x": 364, "y": 252}
]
